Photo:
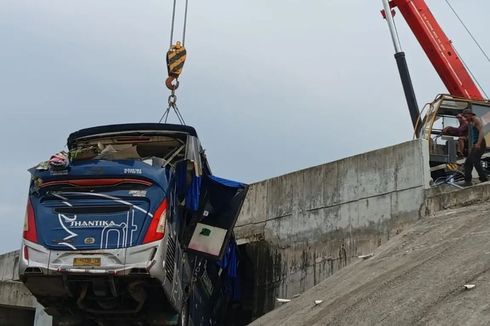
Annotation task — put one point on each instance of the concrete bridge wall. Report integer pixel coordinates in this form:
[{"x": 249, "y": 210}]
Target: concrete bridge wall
[{"x": 299, "y": 228}]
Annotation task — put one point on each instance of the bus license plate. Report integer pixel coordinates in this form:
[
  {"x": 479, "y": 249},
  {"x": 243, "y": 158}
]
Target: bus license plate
[{"x": 83, "y": 261}]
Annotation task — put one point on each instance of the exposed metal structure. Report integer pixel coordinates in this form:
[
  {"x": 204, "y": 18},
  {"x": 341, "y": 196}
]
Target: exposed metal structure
[{"x": 402, "y": 67}]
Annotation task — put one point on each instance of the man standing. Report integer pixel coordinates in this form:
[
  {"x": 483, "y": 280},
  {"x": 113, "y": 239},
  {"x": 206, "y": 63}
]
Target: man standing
[{"x": 477, "y": 147}]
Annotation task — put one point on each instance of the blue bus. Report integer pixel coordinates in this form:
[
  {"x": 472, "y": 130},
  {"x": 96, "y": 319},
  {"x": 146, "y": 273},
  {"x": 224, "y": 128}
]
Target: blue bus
[{"x": 129, "y": 226}]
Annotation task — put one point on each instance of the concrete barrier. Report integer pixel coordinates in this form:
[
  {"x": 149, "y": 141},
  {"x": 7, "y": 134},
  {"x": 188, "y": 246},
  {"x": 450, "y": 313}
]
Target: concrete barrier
[
  {"x": 17, "y": 305},
  {"x": 9, "y": 266},
  {"x": 301, "y": 227},
  {"x": 441, "y": 198},
  {"x": 15, "y": 294},
  {"x": 12, "y": 291}
]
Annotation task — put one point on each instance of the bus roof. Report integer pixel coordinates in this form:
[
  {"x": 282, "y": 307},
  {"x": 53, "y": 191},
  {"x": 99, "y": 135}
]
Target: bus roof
[{"x": 130, "y": 128}]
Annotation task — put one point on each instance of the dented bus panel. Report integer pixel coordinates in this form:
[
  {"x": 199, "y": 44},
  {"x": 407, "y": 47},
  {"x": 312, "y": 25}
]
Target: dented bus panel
[{"x": 131, "y": 226}]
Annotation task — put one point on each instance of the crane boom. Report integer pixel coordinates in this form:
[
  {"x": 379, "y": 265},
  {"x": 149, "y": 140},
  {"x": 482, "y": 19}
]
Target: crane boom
[{"x": 438, "y": 48}]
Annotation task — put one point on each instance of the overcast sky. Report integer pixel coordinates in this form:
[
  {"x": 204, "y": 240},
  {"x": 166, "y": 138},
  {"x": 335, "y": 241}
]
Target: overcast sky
[{"x": 270, "y": 86}]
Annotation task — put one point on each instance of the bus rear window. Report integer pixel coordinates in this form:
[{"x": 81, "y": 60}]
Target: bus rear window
[{"x": 130, "y": 148}]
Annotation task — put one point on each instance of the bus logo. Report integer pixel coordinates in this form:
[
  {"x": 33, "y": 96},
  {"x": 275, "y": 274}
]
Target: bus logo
[{"x": 89, "y": 240}]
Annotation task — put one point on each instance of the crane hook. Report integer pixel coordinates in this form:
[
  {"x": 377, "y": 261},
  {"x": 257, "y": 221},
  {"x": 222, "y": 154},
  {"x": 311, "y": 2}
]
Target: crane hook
[
  {"x": 176, "y": 56},
  {"x": 169, "y": 82}
]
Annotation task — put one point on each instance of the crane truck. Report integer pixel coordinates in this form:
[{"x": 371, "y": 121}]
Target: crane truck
[{"x": 464, "y": 93}]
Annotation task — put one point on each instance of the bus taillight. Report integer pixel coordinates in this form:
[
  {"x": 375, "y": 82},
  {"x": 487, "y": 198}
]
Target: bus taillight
[
  {"x": 30, "y": 232},
  {"x": 156, "y": 230}
]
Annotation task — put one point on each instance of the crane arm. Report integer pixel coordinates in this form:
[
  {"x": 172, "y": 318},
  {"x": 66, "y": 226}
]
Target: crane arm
[{"x": 438, "y": 48}]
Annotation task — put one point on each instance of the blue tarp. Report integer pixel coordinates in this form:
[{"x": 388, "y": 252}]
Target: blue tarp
[
  {"x": 229, "y": 263},
  {"x": 193, "y": 194},
  {"x": 226, "y": 182}
]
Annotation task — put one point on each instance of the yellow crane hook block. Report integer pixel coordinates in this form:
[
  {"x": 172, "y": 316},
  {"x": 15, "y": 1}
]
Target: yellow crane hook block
[{"x": 175, "y": 62}]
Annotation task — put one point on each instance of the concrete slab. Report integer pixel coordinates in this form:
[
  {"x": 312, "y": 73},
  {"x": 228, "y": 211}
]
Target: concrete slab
[
  {"x": 9, "y": 266},
  {"x": 13, "y": 293}
]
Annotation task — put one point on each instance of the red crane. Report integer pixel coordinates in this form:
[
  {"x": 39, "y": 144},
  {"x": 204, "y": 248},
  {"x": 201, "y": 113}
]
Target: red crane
[{"x": 438, "y": 48}]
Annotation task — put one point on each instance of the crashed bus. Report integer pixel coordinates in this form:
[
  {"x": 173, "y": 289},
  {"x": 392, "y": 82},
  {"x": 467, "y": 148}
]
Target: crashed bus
[{"x": 130, "y": 226}]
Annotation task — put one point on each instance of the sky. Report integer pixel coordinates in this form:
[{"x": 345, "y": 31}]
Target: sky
[{"x": 270, "y": 86}]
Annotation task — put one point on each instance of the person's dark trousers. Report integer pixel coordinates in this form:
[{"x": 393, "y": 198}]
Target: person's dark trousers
[{"x": 474, "y": 160}]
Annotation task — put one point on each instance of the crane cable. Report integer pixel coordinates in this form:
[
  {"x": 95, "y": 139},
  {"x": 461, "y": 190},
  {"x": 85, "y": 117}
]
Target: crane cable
[
  {"x": 477, "y": 44},
  {"x": 175, "y": 58},
  {"x": 468, "y": 30},
  {"x": 471, "y": 72}
]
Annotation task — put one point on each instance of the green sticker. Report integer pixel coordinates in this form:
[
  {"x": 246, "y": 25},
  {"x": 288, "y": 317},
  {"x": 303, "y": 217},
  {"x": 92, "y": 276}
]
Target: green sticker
[{"x": 205, "y": 232}]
